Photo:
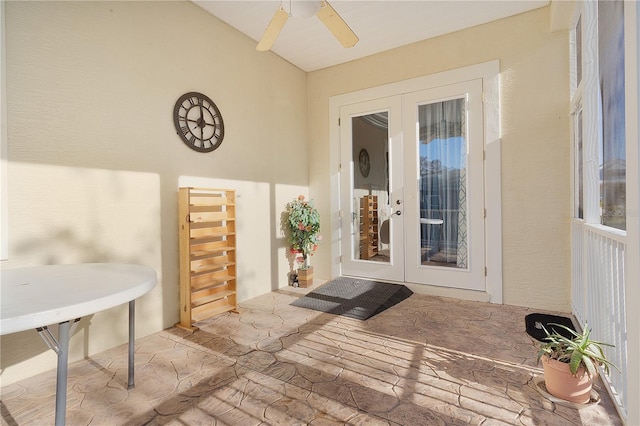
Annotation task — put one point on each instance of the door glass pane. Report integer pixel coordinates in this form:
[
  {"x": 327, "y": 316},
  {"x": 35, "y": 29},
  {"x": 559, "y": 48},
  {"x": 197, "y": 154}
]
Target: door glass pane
[
  {"x": 442, "y": 146},
  {"x": 613, "y": 157},
  {"x": 578, "y": 178},
  {"x": 578, "y": 52},
  {"x": 371, "y": 210}
]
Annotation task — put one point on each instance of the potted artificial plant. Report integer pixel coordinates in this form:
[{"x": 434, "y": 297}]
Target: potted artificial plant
[
  {"x": 304, "y": 227},
  {"x": 570, "y": 363}
]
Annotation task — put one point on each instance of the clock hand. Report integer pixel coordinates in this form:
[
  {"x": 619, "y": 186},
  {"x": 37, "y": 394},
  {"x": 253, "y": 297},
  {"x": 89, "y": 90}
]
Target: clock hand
[
  {"x": 201, "y": 120},
  {"x": 197, "y": 123}
]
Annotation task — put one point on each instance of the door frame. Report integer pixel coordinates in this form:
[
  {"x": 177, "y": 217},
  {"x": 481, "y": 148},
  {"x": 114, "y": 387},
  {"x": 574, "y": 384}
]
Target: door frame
[{"x": 489, "y": 72}]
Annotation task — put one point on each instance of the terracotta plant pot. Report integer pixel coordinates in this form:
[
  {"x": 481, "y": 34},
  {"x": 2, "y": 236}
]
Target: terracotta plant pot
[
  {"x": 562, "y": 384},
  {"x": 305, "y": 277}
]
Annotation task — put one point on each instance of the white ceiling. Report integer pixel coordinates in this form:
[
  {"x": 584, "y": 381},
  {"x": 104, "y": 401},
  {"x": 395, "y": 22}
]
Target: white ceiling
[{"x": 380, "y": 24}]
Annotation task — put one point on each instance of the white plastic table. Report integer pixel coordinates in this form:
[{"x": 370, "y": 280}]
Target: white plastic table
[{"x": 37, "y": 296}]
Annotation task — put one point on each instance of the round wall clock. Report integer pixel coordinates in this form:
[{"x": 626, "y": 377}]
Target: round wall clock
[
  {"x": 198, "y": 122},
  {"x": 364, "y": 163}
]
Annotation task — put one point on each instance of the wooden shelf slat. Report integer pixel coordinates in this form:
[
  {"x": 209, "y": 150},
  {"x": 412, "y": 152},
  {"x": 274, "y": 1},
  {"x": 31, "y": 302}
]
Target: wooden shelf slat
[
  {"x": 197, "y": 317},
  {"x": 211, "y": 267},
  {"x": 212, "y": 218},
  {"x": 203, "y": 254},
  {"x": 210, "y": 237},
  {"x": 212, "y": 283},
  {"x": 211, "y": 298},
  {"x": 215, "y": 225}
]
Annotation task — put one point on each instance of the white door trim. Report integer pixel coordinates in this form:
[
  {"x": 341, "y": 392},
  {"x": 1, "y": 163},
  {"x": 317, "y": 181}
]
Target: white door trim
[{"x": 489, "y": 72}]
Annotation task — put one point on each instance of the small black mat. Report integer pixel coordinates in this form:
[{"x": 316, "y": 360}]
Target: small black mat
[
  {"x": 534, "y": 323},
  {"x": 354, "y": 298}
]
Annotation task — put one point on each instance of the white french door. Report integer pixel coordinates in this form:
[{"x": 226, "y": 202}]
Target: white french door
[
  {"x": 412, "y": 187},
  {"x": 444, "y": 186},
  {"x": 371, "y": 187}
]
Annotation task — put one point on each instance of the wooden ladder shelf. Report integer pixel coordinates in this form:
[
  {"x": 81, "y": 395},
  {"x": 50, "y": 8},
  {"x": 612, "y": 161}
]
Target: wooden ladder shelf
[
  {"x": 368, "y": 226},
  {"x": 207, "y": 232}
]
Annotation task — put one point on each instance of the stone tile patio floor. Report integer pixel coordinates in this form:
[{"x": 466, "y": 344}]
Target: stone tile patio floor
[{"x": 426, "y": 361}]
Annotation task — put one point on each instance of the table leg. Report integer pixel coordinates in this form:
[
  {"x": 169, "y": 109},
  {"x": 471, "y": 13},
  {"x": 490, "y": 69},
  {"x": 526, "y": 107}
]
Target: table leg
[
  {"x": 61, "y": 347},
  {"x": 61, "y": 378},
  {"x": 132, "y": 318}
]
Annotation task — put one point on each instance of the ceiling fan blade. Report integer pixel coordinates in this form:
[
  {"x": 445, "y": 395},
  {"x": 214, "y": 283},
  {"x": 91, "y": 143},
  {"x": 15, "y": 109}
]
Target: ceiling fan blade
[
  {"x": 336, "y": 25},
  {"x": 273, "y": 29}
]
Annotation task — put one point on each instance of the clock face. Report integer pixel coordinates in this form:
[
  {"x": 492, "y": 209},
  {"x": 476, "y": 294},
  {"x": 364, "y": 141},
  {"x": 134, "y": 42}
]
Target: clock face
[
  {"x": 363, "y": 162},
  {"x": 198, "y": 122}
]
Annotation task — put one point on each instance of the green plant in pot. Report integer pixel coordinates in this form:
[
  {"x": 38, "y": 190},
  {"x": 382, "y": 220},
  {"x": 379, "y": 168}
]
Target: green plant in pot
[
  {"x": 571, "y": 363},
  {"x": 303, "y": 221}
]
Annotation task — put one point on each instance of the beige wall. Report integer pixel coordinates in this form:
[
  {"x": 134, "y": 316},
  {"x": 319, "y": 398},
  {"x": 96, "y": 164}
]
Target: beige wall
[
  {"x": 535, "y": 135},
  {"x": 95, "y": 163}
]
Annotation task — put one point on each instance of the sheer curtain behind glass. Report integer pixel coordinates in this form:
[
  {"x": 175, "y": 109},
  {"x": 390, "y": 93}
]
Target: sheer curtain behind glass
[
  {"x": 613, "y": 158},
  {"x": 443, "y": 186}
]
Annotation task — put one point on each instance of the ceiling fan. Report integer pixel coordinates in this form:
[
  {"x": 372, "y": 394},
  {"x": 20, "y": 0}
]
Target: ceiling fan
[{"x": 326, "y": 13}]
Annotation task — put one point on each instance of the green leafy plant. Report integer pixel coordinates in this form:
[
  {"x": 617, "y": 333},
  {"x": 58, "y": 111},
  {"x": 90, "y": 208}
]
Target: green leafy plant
[
  {"x": 304, "y": 227},
  {"x": 579, "y": 350}
]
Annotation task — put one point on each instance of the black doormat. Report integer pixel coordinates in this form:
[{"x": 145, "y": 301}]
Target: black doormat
[
  {"x": 354, "y": 298},
  {"x": 534, "y": 323}
]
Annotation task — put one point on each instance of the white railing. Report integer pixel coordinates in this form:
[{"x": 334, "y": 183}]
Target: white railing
[{"x": 598, "y": 279}]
